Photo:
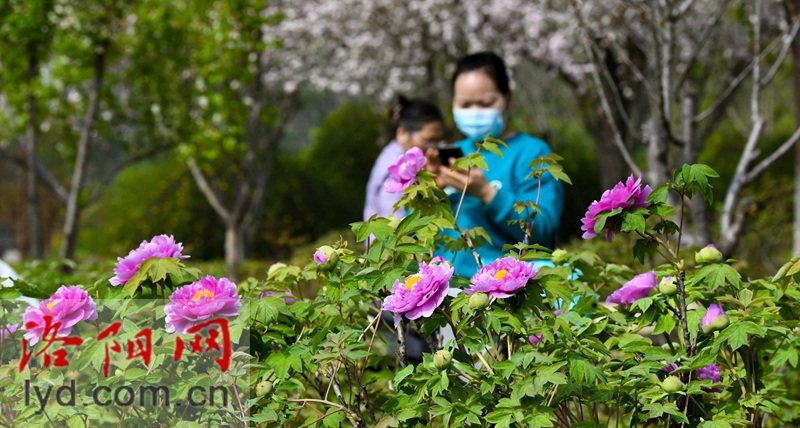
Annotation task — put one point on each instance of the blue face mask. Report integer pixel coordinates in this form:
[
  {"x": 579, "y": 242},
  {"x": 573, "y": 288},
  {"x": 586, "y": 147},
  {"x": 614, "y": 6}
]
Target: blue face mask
[{"x": 477, "y": 123}]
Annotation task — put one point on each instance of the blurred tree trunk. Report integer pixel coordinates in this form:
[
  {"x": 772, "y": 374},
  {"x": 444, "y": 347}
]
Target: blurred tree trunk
[
  {"x": 71, "y": 220},
  {"x": 792, "y": 14},
  {"x": 35, "y": 241},
  {"x": 701, "y": 221}
]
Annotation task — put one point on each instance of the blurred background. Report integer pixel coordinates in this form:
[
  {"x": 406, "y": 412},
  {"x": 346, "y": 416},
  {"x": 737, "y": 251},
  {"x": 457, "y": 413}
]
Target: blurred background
[{"x": 247, "y": 129}]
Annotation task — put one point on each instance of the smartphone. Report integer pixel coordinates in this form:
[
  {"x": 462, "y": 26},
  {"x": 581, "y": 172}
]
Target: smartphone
[{"x": 449, "y": 151}]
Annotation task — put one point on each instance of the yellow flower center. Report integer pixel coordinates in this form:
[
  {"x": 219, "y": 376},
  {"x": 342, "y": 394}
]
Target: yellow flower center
[
  {"x": 411, "y": 280},
  {"x": 51, "y": 304},
  {"x": 501, "y": 274},
  {"x": 202, "y": 293}
]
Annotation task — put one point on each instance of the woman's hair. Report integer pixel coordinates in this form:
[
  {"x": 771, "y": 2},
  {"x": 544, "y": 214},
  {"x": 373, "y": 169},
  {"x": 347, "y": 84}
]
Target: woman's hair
[
  {"x": 489, "y": 63},
  {"x": 414, "y": 114}
]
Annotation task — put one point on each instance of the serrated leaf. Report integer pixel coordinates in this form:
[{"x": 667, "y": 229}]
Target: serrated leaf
[
  {"x": 491, "y": 147},
  {"x": 666, "y": 323},
  {"x": 402, "y": 374},
  {"x": 633, "y": 223}
]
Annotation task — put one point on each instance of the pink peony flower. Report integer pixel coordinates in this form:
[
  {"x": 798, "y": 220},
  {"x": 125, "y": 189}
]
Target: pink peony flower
[
  {"x": 535, "y": 340},
  {"x": 709, "y": 372},
  {"x": 627, "y": 195},
  {"x": 319, "y": 258},
  {"x": 161, "y": 246},
  {"x": 634, "y": 289},
  {"x": 68, "y": 306},
  {"x": 199, "y": 301},
  {"x": 404, "y": 171},
  {"x": 420, "y": 294},
  {"x": 502, "y": 277}
]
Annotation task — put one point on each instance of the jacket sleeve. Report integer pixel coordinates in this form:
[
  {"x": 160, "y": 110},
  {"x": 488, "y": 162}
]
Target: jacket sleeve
[{"x": 551, "y": 201}]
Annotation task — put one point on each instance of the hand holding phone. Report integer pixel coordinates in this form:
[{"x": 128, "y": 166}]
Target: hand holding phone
[{"x": 449, "y": 151}]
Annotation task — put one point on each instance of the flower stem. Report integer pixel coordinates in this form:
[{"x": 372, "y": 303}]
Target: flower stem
[
  {"x": 485, "y": 363},
  {"x": 682, "y": 307}
]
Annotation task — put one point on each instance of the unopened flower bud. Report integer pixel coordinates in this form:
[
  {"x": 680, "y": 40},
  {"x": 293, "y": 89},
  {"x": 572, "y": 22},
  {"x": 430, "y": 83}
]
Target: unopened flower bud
[
  {"x": 672, "y": 384},
  {"x": 560, "y": 256},
  {"x": 441, "y": 359},
  {"x": 263, "y": 388},
  {"x": 720, "y": 322},
  {"x": 668, "y": 286},
  {"x": 274, "y": 269},
  {"x": 479, "y": 301},
  {"x": 708, "y": 254},
  {"x": 715, "y": 319},
  {"x": 326, "y": 257}
]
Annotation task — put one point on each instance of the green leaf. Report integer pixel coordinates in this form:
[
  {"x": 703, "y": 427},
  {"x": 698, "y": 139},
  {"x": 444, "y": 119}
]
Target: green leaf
[
  {"x": 411, "y": 249},
  {"x": 715, "y": 424},
  {"x": 402, "y": 374},
  {"x": 789, "y": 269},
  {"x": 541, "y": 421},
  {"x": 735, "y": 336},
  {"x": 334, "y": 420},
  {"x": 717, "y": 275},
  {"x": 491, "y": 147},
  {"x": 632, "y": 222},
  {"x": 666, "y": 323},
  {"x": 658, "y": 195}
]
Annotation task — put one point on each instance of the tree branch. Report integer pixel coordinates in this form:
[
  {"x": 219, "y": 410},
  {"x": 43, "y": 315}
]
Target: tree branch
[
  {"x": 729, "y": 229},
  {"x": 67, "y": 250},
  {"x": 103, "y": 182},
  {"x": 769, "y": 160},
  {"x": 787, "y": 43},
  {"x": 214, "y": 199},
  {"x": 41, "y": 172},
  {"x": 709, "y": 28},
  {"x": 736, "y": 82},
  {"x": 610, "y": 115},
  {"x": 684, "y": 7}
]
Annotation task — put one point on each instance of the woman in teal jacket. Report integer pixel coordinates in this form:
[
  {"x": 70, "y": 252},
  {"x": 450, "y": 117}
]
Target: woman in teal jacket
[{"x": 481, "y": 102}]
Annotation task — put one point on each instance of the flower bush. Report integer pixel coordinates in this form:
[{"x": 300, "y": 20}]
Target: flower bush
[{"x": 631, "y": 349}]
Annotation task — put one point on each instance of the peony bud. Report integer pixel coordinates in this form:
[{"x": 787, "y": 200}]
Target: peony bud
[
  {"x": 668, "y": 286},
  {"x": 708, "y": 254},
  {"x": 720, "y": 322},
  {"x": 672, "y": 384},
  {"x": 274, "y": 269},
  {"x": 441, "y": 359},
  {"x": 326, "y": 257},
  {"x": 560, "y": 256},
  {"x": 479, "y": 301},
  {"x": 263, "y": 388},
  {"x": 715, "y": 319}
]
